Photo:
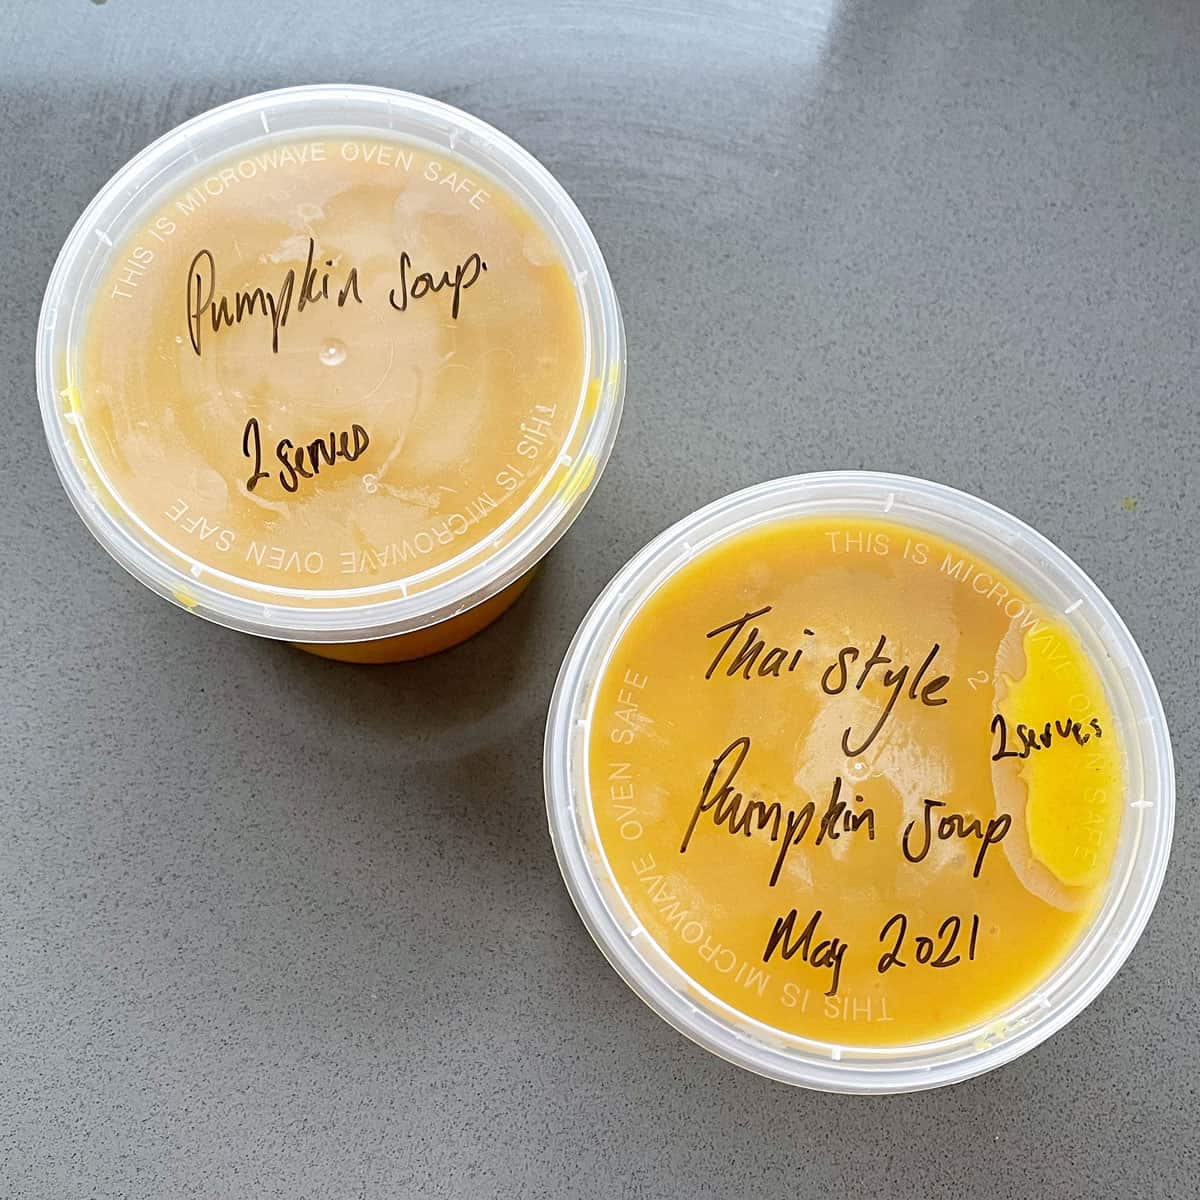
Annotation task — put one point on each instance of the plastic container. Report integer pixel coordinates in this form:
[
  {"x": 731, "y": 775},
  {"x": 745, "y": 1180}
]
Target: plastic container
[
  {"x": 153, "y": 203},
  {"x": 1051, "y": 579}
]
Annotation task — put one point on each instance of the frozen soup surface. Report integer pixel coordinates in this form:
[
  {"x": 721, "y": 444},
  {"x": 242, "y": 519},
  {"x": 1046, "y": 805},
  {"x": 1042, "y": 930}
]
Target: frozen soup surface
[
  {"x": 331, "y": 364},
  {"x": 853, "y": 782}
]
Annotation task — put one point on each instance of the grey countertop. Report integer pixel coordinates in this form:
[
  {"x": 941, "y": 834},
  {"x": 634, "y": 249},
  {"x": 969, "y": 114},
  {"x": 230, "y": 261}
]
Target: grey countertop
[{"x": 271, "y": 926}]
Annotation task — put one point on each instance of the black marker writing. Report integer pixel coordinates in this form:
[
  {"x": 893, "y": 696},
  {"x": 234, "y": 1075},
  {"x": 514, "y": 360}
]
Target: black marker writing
[
  {"x": 252, "y": 436},
  {"x": 953, "y": 825},
  {"x": 828, "y": 952},
  {"x": 924, "y": 945},
  {"x": 465, "y": 275},
  {"x": 226, "y": 312},
  {"x": 775, "y": 660},
  {"x": 304, "y": 461},
  {"x": 729, "y": 808},
  {"x": 1030, "y": 740},
  {"x": 837, "y": 677}
]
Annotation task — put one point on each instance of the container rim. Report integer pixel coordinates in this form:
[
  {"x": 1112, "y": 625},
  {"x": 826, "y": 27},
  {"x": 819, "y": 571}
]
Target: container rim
[
  {"x": 411, "y": 602},
  {"x": 1102, "y": 949}
]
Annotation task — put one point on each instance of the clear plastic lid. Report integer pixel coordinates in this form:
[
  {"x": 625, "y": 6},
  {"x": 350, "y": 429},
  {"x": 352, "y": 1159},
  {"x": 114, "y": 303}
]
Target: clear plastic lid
[
  {"x": 330, "y": 364},
  {"x": 652, "y": 677}
]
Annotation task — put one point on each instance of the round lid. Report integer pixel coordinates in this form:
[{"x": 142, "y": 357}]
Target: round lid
[
  {"x": 330, "y": 363},
  {"x": 859, "y": 782}
]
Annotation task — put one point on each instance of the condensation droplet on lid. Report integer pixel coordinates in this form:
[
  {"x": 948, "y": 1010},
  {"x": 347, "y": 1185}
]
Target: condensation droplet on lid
[{"x": 333, "y": 352}]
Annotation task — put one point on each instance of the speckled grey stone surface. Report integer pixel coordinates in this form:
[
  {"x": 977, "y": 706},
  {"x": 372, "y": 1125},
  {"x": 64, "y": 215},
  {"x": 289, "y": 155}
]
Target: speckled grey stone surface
[{"x": 274, "y": 927}]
